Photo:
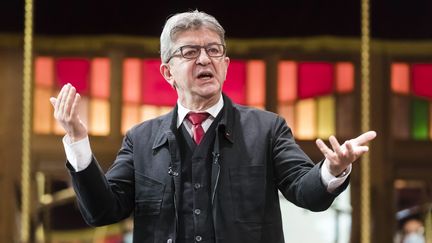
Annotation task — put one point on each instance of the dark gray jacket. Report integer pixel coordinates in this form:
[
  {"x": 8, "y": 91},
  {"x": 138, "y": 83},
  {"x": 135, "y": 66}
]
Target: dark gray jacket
[{"x": 255, "y": 155}]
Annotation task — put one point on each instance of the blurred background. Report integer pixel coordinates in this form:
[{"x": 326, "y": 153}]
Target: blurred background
[{"x": 301, "y": 59}]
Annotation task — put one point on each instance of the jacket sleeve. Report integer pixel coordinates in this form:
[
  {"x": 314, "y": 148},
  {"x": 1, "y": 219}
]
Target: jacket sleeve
[
  {"x": 106, "y": 199},
  {"x": 297, "y": 177}
]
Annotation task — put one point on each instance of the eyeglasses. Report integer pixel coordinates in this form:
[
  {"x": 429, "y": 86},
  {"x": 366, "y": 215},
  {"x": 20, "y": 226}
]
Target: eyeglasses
[{"x": 193, "y": 51}]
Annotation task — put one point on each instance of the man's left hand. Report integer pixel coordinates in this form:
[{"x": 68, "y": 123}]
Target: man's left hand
[{"x": 343, "y": 155}]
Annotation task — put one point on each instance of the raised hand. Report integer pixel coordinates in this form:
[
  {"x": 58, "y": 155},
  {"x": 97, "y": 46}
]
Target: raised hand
[
  {"x": 343, "y": 155},
  {"x": 66, "y": 107}
]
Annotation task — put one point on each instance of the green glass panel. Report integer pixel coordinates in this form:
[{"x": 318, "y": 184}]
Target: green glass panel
[{"x": 420, "y": 119}]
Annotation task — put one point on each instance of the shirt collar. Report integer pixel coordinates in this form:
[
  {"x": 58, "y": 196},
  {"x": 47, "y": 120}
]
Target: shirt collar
[{"x": 183, "y": 111}]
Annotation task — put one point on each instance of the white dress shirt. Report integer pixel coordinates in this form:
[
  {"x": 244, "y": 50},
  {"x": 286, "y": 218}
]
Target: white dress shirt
[{"x": 79, "y": 153}]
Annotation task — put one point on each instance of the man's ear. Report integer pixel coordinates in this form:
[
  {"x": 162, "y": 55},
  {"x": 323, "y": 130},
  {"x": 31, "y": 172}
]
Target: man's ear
[{"x": 166, "y": 73}]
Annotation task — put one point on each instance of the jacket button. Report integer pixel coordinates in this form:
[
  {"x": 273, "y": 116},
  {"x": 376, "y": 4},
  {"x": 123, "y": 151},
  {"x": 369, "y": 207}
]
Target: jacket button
[
  {"x": 197, "y": 211},
  {"x": 198, "y": 238},
  {"x": 169, "y": 241},
  {"x": 197, "y": 186}
]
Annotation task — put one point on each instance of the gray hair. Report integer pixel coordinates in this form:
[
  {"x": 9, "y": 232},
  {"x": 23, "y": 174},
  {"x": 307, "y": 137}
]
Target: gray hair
[{"x": 181, "y": 22}]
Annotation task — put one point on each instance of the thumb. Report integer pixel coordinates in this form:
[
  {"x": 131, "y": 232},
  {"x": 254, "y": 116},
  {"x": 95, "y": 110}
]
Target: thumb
[{"x": 52, "y": 101}]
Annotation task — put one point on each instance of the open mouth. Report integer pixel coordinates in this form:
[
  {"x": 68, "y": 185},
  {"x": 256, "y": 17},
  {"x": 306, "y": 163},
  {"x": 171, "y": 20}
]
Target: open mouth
[{"x": 205, "y": 75}]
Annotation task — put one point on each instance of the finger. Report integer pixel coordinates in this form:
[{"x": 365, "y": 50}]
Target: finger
[
  {"x": 58, "y": 99},
  {"x": 335, "y": 145},
  {"x": 69, "y": 101},
  {"x": 63, "y": 96},
  {"x": 74, "y": 109},
  {"x": 349, "y": 149},
  {"x": 58, "y": 102},
  {"x": 323, "y": 148},
  {"x": 365, "y": 137},
  {"x": 53, "y": 101},
  {"x": 361, "y": 150}
]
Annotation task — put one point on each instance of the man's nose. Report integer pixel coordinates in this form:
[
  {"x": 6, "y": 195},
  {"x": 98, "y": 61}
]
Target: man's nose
[{"x": 203, "y": 58}]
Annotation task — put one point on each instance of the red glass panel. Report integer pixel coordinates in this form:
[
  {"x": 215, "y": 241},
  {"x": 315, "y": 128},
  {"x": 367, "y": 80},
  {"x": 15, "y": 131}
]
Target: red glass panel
[
  {"x": 344, "y": 77},
  {"x": 400, "y": 78},
  {"x": 235, "y": 83},
  {"x": 256, "y": 72},
  {"x": 422, "y": 80},
  {"x": 315, "y": 79},
  {"x": 75, "y": 71},
  {"x": 287, "y": 81},
  {"x": 132, "y": 80},
  {"x": 44, "y": 71},
  {"x": 155, "y": 89},
  {"x": 100, "y": 78}
]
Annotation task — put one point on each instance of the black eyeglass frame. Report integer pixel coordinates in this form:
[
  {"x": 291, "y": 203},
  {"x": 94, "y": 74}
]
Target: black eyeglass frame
[{"x": 198, "y": 48}]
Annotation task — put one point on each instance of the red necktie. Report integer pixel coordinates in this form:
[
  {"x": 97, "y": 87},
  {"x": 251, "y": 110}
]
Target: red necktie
[{"x": 196, "y": 119}]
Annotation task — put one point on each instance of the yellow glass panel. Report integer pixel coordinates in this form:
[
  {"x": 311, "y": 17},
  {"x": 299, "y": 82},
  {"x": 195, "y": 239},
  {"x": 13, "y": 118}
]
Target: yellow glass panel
[
  {"x": 326, "y": 116},
  {"x": 99, "y": 123},
  {"x": 164, "y": 109},
  {"x": 400, "y": 78},
  {"x": 287, "y": 112},
  {"x": 130, "y": 116},
  {"x": 100, "y": 78},
  {"x": 132, "y": 80},
  {"x": 84, "y": 110},
  {"x": 43, "y": 111},
  {"x": 287, "y": 81},
  {"x": 149, "y": 112},
  {"x": 255, "y": 83},
  {"x": 44, "y": 71},
  {"x": 344, "y": 77},
  {"x": 306, "y": 119}
]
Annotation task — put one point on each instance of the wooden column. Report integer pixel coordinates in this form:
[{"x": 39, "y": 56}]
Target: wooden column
[{"x": 10, "y": 141}]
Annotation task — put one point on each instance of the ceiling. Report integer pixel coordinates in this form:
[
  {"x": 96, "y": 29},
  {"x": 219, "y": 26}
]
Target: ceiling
[{"x": 390, "y": 19}]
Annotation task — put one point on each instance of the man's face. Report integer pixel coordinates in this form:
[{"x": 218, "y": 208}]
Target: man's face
[{"x": 200, "y": 78}]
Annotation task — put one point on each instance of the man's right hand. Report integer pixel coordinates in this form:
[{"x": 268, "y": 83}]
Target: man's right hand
[{"x": 66, "y": 107}]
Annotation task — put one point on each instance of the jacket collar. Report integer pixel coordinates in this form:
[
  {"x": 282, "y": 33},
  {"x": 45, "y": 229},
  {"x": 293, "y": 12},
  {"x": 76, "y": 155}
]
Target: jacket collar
[
  {"x": 226, "y": 125},
  {"x": 168, "y": 125},
  {"x": 169, "y": 121}
]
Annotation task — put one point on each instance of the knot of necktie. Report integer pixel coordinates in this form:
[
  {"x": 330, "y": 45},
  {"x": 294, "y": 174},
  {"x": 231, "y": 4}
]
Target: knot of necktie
[{"x": 196, "y": 118}]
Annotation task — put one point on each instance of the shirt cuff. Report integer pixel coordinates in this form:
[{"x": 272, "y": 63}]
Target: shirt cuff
[
  {"x": 330, "y": 181},
  {"x": 78, "y": 153}
]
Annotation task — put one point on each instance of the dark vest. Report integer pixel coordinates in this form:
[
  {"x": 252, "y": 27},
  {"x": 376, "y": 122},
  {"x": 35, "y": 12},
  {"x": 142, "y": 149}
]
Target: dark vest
[{"x": 195, "y": 216}]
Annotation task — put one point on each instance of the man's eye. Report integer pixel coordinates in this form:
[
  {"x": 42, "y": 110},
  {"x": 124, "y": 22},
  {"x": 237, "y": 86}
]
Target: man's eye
[
  {"x": 213, "y": 51},
  {"x": 189, "y": 52}
]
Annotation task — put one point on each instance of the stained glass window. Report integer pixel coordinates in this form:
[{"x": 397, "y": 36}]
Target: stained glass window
[
  {"x": 146, "y": 94},
  {"x": 411, "y": 84},
  {"x": 91, "y": 78},
  {"x": 312, "y": 95}
]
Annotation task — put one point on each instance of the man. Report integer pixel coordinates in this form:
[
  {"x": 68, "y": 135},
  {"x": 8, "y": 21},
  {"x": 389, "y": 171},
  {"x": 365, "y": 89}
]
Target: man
[{"x": 210, "y": 170}]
